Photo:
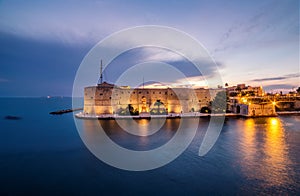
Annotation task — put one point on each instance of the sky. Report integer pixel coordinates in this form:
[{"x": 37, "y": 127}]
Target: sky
[{"x": 44, "y": 42}]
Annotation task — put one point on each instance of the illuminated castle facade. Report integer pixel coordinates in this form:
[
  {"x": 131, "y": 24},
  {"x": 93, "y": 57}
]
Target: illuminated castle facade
[{"x": 107, "y": 98}]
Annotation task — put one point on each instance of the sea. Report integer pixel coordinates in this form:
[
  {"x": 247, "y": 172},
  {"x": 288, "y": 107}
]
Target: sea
[{"x": 43, "y": 154}]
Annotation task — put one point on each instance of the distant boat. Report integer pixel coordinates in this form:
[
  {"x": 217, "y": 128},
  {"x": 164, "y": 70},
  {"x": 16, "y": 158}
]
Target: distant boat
[{"x": 12, "y": 117}]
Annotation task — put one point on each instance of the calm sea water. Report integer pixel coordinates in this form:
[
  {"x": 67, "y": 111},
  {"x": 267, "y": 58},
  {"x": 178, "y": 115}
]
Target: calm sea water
[{"x": 43, "y": 154}]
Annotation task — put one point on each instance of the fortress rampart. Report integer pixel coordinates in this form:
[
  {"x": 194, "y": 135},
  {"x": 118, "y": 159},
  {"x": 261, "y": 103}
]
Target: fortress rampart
[{"x": 109, "y": 99}]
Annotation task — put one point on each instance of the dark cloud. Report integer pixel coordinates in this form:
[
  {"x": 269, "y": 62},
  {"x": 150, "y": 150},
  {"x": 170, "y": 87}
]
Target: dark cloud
[
  {"x": 279, "y": 87},
  {"x": 277, "y": 78},
  {"x": 34, "y": 68}
]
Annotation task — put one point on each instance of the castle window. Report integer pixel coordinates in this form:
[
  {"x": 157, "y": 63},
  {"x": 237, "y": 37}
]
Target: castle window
[
  {"x": 171, "y": 94},
  {"x": 133, "y": 92},
  {"x": 109, "y": 97},
  {"x": 147, "y": 92},
  {"x": 140, "y": 92},
  {"x": 199, "y": 100},
  {"x": 153, "y": 92},
  {"x": 159, "y": 92},
  {"x": 166, "y": 93},
  {"x": 101, "y": 94}
]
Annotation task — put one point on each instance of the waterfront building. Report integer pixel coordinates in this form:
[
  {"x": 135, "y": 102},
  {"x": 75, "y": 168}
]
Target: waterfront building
[
  {"x": 252, "y": 106},
  {"x": 106, "y": 98}
]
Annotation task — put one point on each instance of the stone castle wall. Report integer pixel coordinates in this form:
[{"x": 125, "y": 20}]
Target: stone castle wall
[{"x": 107, "y": 99}]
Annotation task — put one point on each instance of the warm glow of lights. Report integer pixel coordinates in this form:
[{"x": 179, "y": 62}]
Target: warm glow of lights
[
  {"x": 274, "y": 103},
  {"x": 274, "y": 121},
  {"x": 249, "y": 103}
]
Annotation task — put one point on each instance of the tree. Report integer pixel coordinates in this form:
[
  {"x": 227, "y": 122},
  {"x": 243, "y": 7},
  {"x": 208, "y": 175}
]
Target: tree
[
  {"x": 158, "y": 103},
  {"x": 298, "y": 90},
  {"x": 159, "y": 110},
  {"x": 129, "y": 110},
  {"x": 219, "y": 103}
]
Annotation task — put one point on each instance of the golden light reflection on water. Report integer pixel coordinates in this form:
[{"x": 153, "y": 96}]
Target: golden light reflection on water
[
  {"x": 265, "y": 152},
  {"x": 277, "y": 160},
  {"x": 249, "y": 140},
  {"x": 120, "y": 131}
]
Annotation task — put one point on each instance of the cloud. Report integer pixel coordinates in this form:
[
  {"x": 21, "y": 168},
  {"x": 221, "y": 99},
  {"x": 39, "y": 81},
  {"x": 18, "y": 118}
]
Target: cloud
[
  {"x": 159, "y": 54},
  {"x": 288, "y": 76},
  {"x": 207, "y": 68},
  {"x": 275, "y": 22},
  {"x": 279, "y": 87},
  {"x": 187, "y": 82},
  {"x": 130, "y": 58},
  {"x": 65, "y": 21}
]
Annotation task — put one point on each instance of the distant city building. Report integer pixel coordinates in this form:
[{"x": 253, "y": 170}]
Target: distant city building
[
  {"x": 252, "y": 106},
  {"x": 249, "y": 101},
  {"x": 242, "y": 90}
]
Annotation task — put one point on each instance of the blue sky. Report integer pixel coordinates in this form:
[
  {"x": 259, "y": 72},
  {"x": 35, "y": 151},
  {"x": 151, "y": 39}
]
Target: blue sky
[{"x": 44, "y": 42}]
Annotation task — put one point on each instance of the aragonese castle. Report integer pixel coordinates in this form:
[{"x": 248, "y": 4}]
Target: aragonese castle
[{"x": 107, "y": 98}]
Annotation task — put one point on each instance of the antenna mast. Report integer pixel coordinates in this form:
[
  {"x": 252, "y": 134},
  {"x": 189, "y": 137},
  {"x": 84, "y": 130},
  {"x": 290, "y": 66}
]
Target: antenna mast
[{"x": 101, "y": 73}]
